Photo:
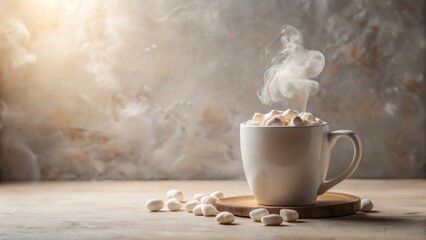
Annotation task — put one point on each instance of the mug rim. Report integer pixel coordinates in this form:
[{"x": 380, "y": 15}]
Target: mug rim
[{"x": 243, "y": 124}]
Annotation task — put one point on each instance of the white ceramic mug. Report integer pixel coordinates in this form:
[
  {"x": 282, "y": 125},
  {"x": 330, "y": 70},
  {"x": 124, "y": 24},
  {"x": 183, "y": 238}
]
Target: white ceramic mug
[{"x": 287, "y": 166}]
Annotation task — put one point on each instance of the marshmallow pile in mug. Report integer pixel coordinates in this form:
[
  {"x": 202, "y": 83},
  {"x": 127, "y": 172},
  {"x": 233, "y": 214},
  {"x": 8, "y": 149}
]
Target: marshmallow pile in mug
[{"x": 287, "y": 118}]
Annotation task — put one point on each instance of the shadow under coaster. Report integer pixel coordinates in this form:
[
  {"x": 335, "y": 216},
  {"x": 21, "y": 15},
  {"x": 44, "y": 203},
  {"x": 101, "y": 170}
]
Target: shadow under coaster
[{"x": 330, "y": 204}]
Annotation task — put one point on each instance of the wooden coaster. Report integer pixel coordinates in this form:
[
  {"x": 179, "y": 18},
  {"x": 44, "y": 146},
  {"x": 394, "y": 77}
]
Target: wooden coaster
[{"x": 330, "y": 204}]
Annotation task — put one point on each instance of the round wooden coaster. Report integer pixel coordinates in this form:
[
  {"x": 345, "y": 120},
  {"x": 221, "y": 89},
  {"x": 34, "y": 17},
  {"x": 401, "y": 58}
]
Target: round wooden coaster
[{"x": 330, "y": 204}]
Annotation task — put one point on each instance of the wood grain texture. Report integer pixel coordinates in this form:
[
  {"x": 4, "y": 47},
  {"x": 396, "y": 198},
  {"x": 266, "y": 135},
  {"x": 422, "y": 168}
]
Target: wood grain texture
[
  {"x": 115, "y": 210},
  {"x": 328, "y": 205}
]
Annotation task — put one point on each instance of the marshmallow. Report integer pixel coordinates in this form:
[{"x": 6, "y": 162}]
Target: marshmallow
[
  {"x": 289, "y": 215},
  {"x": 275, "y": 112},
  {"x": 173, "y": 204},
  {"x": 284, "y": 120},
  {"x": 272, "y": 220},
  {"x": 225, "y": 218},
  {"x": 208, "y": 210},
  {"x": 189, "y": 206},
  {"x": 266, "y": 119},
  {"x": 274, "y": 122},
  {"x": 257, "y": 118},
  {"x": 288, "y": 118},
  {"x": 198, "y": 196},
  {"x": 218, "y": 194},
  {"x": 175, "y": 193},
  {"x": 296, "y": 121},
  {"x": 154, "y": 204},
  {"x": 319, "y": 121},
  {"x": 366, "y": 205},
  {"x": 257, "y": 214},
  {"x": 289, "y": 114},
  {"x": 209, "y": 200},
  {"x": 197, "y": 211},
  {"x": 270, "y": 115},
  {"x": 250, "y": 122},
  {"x": 307, "y": 117}
]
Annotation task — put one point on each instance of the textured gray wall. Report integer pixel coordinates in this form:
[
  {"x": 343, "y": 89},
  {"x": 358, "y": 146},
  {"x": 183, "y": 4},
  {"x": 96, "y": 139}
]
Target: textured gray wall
[{"x": 157, "y": 89}]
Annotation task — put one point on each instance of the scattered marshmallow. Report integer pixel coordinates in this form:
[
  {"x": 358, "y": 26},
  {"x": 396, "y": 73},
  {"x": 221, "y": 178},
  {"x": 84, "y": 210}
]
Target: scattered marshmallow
[
  {"x": 175, "y": 193},
  {"x": 173, "y": 204},
  {"x": 198, "y": 196},
  {"x": 154, "y": 204},
  {"x": 218, "y": 194},
  {"x": 366, "y": 205},
  {"x": 209, "y": 200},
  {"x": 274, "y": 122},
  {"x": 197, "y": 211},
  {"x": 190, "y": 205},
  {"x": 272, "y": 220},
  {"x": 208, "y": 210},
  {"x": 225, "y": 218},
  {"x": 289, "y": 215},
  {"x": 296, "y": 121},
  {"x": 257, "y": 214}
]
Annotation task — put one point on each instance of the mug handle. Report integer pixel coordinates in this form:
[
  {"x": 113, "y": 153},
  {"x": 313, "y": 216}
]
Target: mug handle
[{"x": 356, "y": 141}]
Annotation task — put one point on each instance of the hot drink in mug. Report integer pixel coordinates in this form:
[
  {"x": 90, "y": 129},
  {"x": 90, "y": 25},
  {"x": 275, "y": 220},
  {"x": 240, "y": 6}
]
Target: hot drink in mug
[{"x": 286, "y": 164}]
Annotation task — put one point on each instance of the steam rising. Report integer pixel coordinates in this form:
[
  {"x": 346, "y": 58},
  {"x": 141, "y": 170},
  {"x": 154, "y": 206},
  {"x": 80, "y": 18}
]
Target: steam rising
[{"x": 293, "y": 68}]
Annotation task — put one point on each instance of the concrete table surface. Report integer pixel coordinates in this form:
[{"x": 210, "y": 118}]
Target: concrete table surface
[{"x": 115, "y": 210}]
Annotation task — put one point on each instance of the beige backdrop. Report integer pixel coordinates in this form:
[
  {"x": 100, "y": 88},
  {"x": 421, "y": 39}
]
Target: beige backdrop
[{"x": 157, "y": 89}]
